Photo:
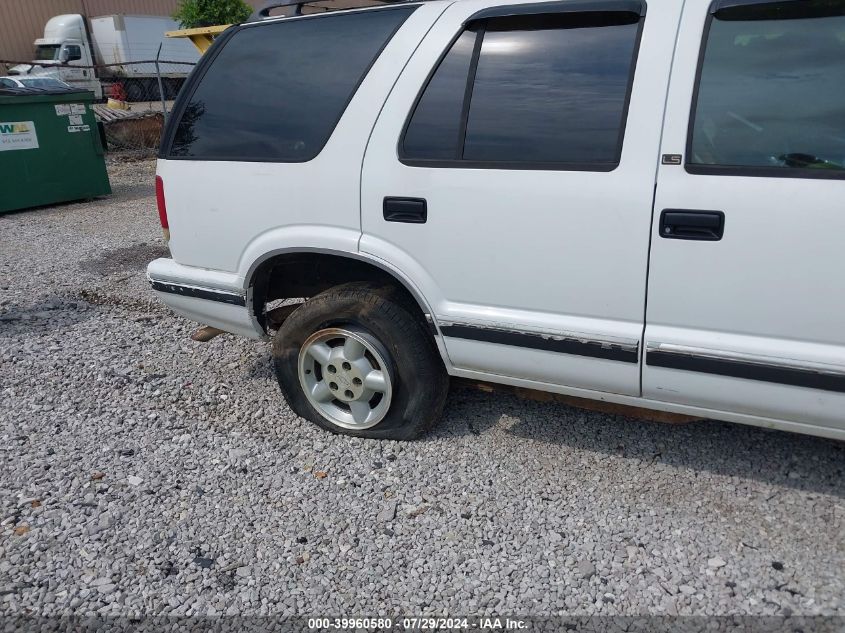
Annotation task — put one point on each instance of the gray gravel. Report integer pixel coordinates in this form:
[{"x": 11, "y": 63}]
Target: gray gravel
[{"x": 145, "y": 473}]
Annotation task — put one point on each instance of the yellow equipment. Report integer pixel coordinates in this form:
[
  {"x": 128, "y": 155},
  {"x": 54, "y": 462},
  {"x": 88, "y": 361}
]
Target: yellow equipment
[{"x": 202, "y": 37}]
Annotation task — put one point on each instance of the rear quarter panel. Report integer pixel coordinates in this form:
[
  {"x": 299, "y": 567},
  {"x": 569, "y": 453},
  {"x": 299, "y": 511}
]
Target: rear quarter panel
[{"x": 226, "y": 215}]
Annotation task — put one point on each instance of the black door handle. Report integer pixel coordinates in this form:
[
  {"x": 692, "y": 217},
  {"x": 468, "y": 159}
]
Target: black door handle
[
  {"x": 687, "y": 224},
  {"x": 410, "y": 210}
]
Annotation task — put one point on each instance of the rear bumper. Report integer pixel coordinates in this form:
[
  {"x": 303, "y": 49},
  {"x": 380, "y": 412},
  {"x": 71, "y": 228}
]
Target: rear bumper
[{"x": 206, "y": 296}]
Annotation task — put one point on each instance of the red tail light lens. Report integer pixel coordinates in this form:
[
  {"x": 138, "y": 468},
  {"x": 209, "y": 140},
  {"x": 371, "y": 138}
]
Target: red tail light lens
[{"x": 162, "y": 206}]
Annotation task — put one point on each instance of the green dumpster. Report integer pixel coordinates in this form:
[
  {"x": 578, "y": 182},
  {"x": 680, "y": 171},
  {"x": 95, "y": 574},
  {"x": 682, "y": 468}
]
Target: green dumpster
[{"x": 50, "y": 149}]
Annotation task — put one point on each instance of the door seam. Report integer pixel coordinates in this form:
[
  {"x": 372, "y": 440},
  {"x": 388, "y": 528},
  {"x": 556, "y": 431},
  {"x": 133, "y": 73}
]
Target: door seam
[
  {"x": 654, "y": 193},
  {"x": 375, "y": 123}
]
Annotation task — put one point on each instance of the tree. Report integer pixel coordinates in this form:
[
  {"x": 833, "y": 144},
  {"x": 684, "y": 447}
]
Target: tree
[{"x": 195, "y": 13}]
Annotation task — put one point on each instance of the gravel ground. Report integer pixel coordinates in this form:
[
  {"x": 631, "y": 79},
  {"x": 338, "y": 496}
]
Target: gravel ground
[{"x": 143, "y": 473}]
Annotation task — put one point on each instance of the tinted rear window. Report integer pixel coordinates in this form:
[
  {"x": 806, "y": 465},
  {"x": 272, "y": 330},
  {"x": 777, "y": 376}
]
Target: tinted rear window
[{"x": 276, "y": 91}]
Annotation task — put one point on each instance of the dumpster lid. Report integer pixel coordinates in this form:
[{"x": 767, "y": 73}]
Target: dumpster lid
[{"x": 12, "y": 91}]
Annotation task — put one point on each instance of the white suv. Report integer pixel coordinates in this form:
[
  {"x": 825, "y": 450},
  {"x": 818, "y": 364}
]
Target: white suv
[{"x": 641, "y": 202}]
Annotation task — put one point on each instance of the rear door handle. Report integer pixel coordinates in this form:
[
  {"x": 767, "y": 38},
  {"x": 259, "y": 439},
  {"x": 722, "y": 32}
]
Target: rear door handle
[
  {"x": 690, "y": 224},
  {"x": 408, "y": 210}
]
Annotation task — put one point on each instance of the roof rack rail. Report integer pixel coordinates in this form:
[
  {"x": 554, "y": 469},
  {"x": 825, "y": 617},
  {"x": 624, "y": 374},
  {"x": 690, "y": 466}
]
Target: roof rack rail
[{"x": 264, "y": 11}]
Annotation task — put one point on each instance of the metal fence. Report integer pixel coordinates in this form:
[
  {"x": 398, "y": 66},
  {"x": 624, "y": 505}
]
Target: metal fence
[{"x": 136, "y": 99}]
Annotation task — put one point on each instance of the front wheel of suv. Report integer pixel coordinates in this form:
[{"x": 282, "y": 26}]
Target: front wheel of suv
[{"x": 356, "y": 360}]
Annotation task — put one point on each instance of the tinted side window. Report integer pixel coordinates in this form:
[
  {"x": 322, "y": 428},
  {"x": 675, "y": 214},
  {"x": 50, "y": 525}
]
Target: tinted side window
[
  {"x": 547, "y": 90},
  {"x": 551, "y": 90},
  {"x": 771, "y": 94},
  {"x": 275, "y": 91},
  {"x": 435, "y": 126}
]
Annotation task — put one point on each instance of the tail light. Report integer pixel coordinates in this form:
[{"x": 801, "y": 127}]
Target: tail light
[{"x": 162, "y": 208}]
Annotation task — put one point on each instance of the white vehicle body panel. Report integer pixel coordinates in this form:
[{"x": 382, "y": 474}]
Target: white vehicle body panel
[
  {"x": 771, "y": 293},
  {"x": 559, "y": 252},
  {"x": 251, "y": 209},
  {"x": 25, "y": 82},
  {"x": 561, "y": 256}
]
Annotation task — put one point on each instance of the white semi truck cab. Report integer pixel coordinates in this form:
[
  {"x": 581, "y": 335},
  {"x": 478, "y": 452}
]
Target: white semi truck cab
[
  {"x": 70, "y": 50},
  {"x": 65, "y": 42}
]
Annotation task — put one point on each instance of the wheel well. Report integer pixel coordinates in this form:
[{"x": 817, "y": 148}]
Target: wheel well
[{"x": 304, "y": 275}]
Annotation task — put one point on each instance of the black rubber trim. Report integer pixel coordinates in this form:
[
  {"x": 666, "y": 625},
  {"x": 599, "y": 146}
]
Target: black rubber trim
[
  {"x": 469, "y": 87},
  {"x": 445, "y": 163},
  {"x": 719, "y": 5},
  {"x": 199, "y": 293},
  {"x": 765, "y": 172},
  {"x": 544, "y": 342},
  {"x": 747, "y": 370},
  {"x": 584, "y": 6},
  {"x": 787, "y": 9}
]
